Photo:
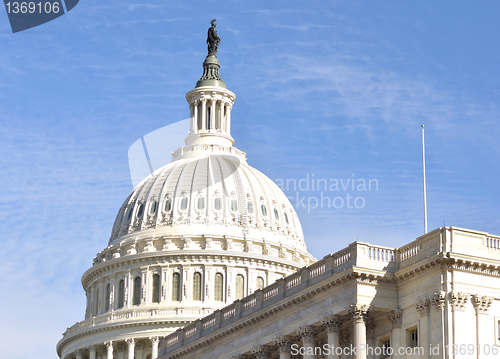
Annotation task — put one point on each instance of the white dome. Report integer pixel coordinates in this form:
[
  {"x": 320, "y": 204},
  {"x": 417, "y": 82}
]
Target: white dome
[
  {"x": 195, "y": 235},
  {"x": 202, "y": 194}
]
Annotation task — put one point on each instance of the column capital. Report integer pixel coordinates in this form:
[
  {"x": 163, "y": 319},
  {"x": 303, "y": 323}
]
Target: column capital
[
  {"x": 307, "y": 333},
  {"x": 332, "y": 323},
  {"x": 130, "y": 342},
  {"x": 359, "y": 312},
  {"x": 423, "y": 307},
  {"x": 482, "y": 303},
  {"x": 458, "y": 300},
  {"x": 92, "y": 348},
  {"x": 283, "y": 344},
  {"x": 262, "y": 351},
  {"x": 438, "y": 300},
  {"x": 396, "y": 318},
  {"x": 154, "y": 340},
  {"x": 109, "y": 344}
]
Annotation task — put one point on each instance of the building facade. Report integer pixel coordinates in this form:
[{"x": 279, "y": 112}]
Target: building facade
[{"x": 365, "y": 301}]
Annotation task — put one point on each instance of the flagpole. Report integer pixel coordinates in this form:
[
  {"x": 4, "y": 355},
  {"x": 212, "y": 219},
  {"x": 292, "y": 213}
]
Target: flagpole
[{"x": 425, "y": 189}]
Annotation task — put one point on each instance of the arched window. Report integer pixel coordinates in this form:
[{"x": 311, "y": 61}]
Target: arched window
[
  {"x": 286, "y": 218},
  {"x": 137, "y": 291},
  {"x": 108, "y": 294},
  {"x": 96, "y": 302},
  {"x": 156, "y": 289},
  {"x": 276, "y": 214},
  {"x": 130, "y": 211},
  {"x": 140, "y": 211},
  {"x": 168, "y": 205},
  {"x": 184, "y": 203},
  {"x": 240, "y": 287},
  {"x": 152, "y": 209},
  {"x": 208, "y": 118},
  {"x": 197, "y": 286},
  {"x": 250, "y": 207},
  {"x": 201, "y": 203},
  {"x": 260, "y": 283},
  {"x": 264, "y": 210},
  {"x": 176, "y": 287},
  {"x": 121, "y": 293},
  {"x": 218, "y": 288},
  {"x": 234, "y": 205},
  {"x": 217, "y": 204}
]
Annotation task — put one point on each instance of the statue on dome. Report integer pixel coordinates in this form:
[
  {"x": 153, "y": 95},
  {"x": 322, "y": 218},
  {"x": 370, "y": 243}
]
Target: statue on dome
[{"x": 213, "y": 39}]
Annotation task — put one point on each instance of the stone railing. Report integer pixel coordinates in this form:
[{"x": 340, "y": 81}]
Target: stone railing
[
  {"x": 132, "y": 314},
  {"x": 493, "y": 243},
  {"x": 357, "y": 253}
]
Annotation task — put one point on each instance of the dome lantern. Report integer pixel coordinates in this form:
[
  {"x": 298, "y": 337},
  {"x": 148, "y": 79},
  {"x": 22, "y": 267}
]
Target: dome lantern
[{"x": 210, "y": 102}]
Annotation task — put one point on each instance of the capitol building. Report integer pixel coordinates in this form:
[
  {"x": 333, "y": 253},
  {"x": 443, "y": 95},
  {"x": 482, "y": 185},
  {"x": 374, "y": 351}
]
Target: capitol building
[{"x": 207, "y": 259}]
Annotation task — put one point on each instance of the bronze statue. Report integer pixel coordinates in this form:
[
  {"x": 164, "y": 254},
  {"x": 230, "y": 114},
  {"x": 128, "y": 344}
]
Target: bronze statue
[{"x": 213, "y": 39}]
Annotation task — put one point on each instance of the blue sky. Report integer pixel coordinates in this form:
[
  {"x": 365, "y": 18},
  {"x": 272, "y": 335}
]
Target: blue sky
[{"x": 334, "y": 89}]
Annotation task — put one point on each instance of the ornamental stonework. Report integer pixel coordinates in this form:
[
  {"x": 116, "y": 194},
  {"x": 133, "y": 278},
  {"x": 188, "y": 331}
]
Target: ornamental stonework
[
  {"x": 262, "y": 352},
  {"x": 439, "y": 300},
  {"x": 459, "y": 300},
  {"x": 307, "y": 333},
  {"x": 396, "y": 318},
  {"x": 332, "y": 323},
  {"x": 359, "y": 312},
  {"x": 283, "y": 343},
  {"x": 423, "y": 307},
  {"x": 482, "y": 303}
]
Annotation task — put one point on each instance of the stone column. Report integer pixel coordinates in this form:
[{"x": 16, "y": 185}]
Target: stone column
[
  {"x": 307, "y": 333},
  {"x": 154, "y": 347},
  {"x": 223, "y": 105},
  {"x": 396, "y": 319},
  {"x": 79, "y": 354},
  {"x": 204, "y": 114},
  {"x": 92, "y": 350},
  {"x": 261, "y": 352},
  {"x": 283, "y": 343},
  {"x": 359, "y": 314},
  {"x": 195, "y": 115},
  {"x": 423, "y": 307},
  {"x": 482, "y": 306},
  {"x": 109, "y": 348},
  {"x": 131, "y": 347},
  {"x": 212, "y": 114},
  {"x": 332, "y": 325},
  {"x": 228, "y": 119}
]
